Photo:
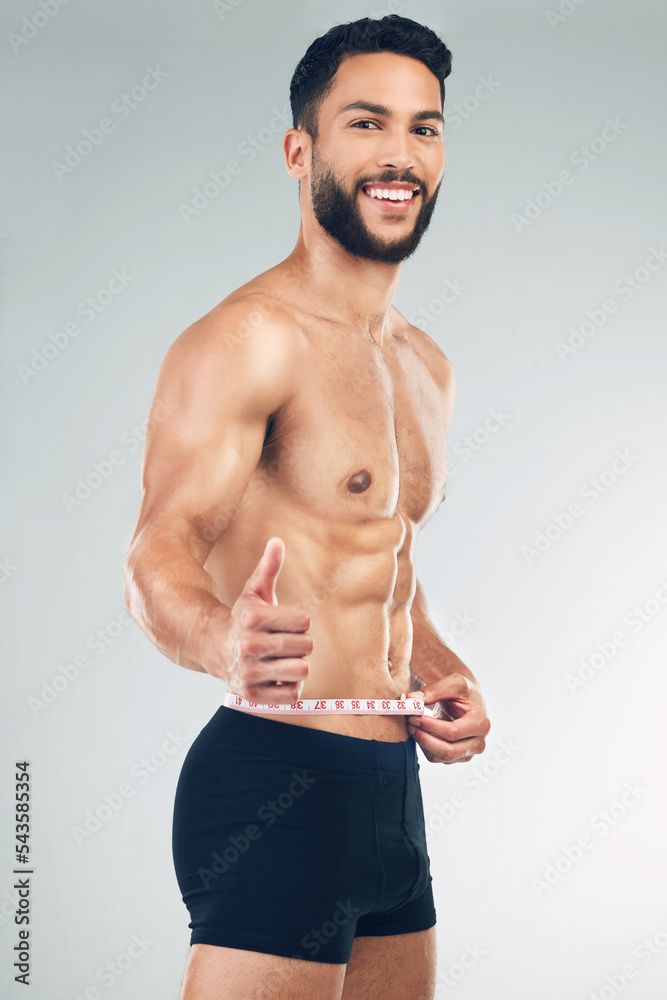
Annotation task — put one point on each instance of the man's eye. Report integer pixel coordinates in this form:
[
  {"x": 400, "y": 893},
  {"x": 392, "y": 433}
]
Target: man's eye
[
  {"x": 430, "y": 131},
  {"x": 365, "y": 122}
]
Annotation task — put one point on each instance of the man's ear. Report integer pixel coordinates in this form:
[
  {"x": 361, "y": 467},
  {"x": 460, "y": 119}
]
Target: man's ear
[{"x": 297, "y": 147}]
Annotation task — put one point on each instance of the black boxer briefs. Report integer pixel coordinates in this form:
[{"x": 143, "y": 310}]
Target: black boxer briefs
[{"x": 293, "y": 841}]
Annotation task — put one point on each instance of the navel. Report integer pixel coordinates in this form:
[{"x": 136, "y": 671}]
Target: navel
[{"x": 359, "y": 482}]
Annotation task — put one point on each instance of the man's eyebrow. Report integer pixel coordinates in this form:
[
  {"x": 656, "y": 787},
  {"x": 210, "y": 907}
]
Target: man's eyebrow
[{"x": 385, "y": 112}]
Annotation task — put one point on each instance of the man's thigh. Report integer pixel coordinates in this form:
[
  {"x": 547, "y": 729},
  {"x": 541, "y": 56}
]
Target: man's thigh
[
  {"x": 215, "y": 973},
  {"x": 399, "y": 966}
]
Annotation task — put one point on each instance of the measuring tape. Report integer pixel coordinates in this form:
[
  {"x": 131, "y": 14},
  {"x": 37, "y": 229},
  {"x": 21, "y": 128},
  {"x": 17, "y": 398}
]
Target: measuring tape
[{"x": 333, "y": 706}]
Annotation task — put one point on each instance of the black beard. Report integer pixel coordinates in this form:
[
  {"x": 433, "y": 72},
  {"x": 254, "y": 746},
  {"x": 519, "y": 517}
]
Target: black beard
[{"x": 339, "y": 215}]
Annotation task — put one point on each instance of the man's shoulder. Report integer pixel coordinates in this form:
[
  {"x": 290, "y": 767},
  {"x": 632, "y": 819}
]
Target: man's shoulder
[
  {"x": 249, "y": 323},
  {"x": 429, "y": 352},
  {"x": 243, "y": 353}
]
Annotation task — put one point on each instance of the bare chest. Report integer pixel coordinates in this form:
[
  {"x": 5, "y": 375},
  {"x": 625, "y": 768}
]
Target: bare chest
[{"x": 364, "y": 435}]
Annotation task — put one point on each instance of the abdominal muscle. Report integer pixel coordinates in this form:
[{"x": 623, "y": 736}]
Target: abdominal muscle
[
  {"x": 350, "y": 660},
  {"x": 357, "y": 585}
]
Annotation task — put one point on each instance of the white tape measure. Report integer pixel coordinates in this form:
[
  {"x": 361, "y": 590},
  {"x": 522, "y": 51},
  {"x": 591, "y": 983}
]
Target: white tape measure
[{"x": 333, "y": 706}]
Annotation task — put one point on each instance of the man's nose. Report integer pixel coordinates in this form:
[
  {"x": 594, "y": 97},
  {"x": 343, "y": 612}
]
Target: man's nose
[{"x": 396, "y": 153}]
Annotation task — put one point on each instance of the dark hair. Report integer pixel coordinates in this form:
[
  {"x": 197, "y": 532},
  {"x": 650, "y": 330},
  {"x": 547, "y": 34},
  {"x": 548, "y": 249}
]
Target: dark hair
[{"x": 313, "y": 77}]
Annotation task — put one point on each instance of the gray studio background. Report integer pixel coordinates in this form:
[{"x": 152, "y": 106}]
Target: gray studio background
[{"x": 538, "y": 894}]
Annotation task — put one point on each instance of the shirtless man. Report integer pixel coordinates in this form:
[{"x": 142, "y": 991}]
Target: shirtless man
[{"x": 298, "y": 446}]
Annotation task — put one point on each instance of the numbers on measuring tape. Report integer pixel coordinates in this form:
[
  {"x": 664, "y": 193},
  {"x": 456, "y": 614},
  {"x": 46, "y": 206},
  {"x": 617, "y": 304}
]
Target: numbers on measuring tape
[{"x": 340, "y": 706}]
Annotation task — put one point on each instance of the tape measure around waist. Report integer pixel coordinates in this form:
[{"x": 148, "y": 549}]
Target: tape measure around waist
[{"x": 332, "y": 706}]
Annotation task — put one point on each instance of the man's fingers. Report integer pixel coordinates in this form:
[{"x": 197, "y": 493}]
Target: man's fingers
[
  {"x": 261, "y": 584},
  {"x": 273, "y": 694},
  {"x": 287, "y": 670},
  {"x": 274, "y": 645},
  {"x": 274, "y": 618},
  {"x": 447, "y": 753},
  {"x": 455, "y": 687},
  {"x": 275, "y": 681},
  {"x": 468, "y": 726}
]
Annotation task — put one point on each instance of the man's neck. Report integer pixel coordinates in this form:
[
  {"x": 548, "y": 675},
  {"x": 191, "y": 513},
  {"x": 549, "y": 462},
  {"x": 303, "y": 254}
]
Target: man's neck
[{"x": 351, "y": 290}]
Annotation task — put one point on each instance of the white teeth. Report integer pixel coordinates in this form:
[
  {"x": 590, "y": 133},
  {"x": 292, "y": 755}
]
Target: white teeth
[{"x": 391, "y": 194}]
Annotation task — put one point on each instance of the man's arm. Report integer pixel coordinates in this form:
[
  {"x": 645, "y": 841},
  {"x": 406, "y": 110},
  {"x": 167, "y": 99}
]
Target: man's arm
[
  {"x": 219, "y": 382},
  {"x": 431, "y": 659}
]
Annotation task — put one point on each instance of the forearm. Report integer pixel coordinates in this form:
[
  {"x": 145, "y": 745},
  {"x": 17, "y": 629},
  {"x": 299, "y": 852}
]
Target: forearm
[
  {"x": 431, "y": 659},
  {"x": 171, "y": 598}
]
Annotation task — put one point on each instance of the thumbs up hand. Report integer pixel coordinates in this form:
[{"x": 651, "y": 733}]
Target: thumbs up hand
[{"x": 268, "y": 641}]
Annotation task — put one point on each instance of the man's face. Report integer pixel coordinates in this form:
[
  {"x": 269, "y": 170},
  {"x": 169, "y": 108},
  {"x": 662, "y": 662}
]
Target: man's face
[{"x": 392, "y": 143}]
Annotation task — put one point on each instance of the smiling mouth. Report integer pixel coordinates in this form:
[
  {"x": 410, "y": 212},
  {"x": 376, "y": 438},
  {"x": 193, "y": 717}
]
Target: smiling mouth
[{"x": 393, "y": 197}]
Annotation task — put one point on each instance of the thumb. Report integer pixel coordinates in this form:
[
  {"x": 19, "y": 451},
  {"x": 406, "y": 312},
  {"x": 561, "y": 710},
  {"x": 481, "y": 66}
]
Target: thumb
[{"x": 261, "y": 584}]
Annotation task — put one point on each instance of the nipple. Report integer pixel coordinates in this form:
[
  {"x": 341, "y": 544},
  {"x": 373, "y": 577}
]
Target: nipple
[{"x": 359, "y": 482}]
